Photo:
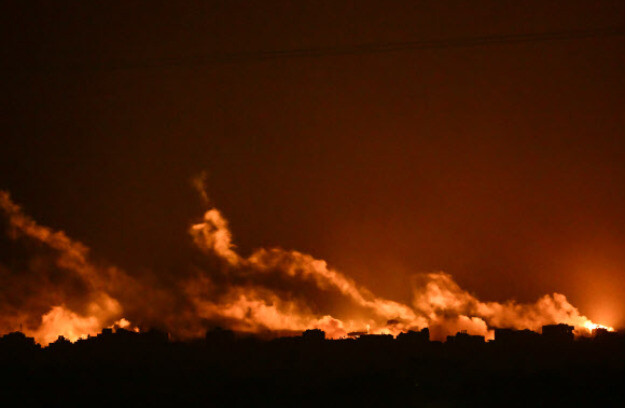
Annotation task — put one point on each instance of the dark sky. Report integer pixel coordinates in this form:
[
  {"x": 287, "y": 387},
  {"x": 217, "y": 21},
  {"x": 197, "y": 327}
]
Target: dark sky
[{"x": 500, "y": 164}]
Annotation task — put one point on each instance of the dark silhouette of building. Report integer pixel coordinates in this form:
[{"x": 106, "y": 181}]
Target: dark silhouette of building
[
  {"x": 61, "y": 343},
  {"x": 519, "y": 338},
  {"x": 605, "y": 336},
  {"x": 239, "y": 370},
  {"x": 314, "y": 335},
  {"x": 375, "y": 339},
  {"x": 18, "y": 341},
  {"x": 558, "y": 332},
  {"x": 464, "y": 339},
  {"x": 414, "y": 337}
]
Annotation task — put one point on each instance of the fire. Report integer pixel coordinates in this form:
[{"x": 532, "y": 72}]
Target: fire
[
  {"x": 62, "y": 322},
  {"x": 60, "y": 291},
  {"x": 588, "y": 325}
]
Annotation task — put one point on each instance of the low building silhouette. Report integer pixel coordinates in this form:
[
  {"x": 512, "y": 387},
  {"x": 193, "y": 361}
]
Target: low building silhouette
[
  {"x": 148, "y": 370},
  {"x": 558, "y": 332},
  {"x": 314, "y": 335},
  {"x": 414, "y": 337},
  {"x": 464, "y": 339},
  {"x": 18, "y": 341},
  {"x": 375, "y": 339},
  {"x": 61, "y": 343},
  {"x": 605, "y": 336},
  {"x": 512, "y": 337}
]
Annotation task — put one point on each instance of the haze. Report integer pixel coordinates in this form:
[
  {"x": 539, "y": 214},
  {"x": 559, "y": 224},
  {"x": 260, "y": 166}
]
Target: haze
[{"x": 501, "y": 165}]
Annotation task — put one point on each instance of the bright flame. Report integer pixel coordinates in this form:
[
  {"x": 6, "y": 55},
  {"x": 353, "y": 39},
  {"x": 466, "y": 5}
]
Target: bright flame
[
  {"x": 62, "y": 322},
  {"x": 593, "y": 326}
]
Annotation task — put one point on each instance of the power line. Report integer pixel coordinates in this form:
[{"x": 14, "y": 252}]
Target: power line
[{"x": 341, "y": 50}]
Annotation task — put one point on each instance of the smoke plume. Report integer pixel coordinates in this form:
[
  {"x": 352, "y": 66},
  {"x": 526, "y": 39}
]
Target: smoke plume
[{"x": 54, "y": 289}]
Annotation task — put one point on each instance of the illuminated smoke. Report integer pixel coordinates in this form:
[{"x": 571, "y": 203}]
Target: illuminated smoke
[
  {"x": 277, "y": 289},
  {"x": 437, "y": 296},
  {"x": 57, "y": 290},
  {"x": 213, "y": 235}
]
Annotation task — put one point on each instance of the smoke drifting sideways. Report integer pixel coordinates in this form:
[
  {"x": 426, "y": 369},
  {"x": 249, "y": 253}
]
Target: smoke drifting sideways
[{"x": 49, "y": 287}]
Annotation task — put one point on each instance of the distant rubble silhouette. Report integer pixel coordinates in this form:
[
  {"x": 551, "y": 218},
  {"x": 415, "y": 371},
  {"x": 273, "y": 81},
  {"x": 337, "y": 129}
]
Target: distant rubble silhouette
[
  {"x": 551, "y": 334},
  {"x": 119, "y": 367}
]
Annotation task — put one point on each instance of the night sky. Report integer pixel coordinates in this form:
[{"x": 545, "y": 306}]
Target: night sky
[{"x": 500, "y": 164}]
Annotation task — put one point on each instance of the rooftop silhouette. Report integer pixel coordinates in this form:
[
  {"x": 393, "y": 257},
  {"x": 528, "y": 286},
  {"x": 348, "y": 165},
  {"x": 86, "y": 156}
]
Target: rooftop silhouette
[{"x": 237, "y": 369}]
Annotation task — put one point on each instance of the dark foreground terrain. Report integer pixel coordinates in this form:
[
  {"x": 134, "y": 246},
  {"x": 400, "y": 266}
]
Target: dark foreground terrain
[{"x": 128, "y": 369}]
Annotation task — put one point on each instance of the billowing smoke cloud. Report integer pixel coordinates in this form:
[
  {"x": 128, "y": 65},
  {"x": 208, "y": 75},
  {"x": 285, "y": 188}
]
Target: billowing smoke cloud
[
  {"x": 56, "y": 290},
  {"x": 447, "y": 306}
]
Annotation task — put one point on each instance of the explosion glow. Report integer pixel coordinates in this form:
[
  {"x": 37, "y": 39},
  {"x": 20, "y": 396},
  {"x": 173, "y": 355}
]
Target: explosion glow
[
  {"x": 593, "y": 326},
  {"x": 59, "y": 291}
]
